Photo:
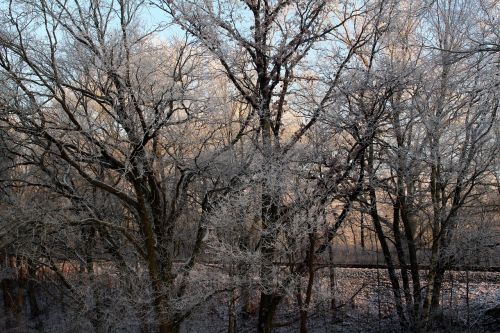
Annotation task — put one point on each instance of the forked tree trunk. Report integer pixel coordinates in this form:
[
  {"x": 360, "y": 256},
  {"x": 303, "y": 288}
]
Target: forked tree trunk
[{"x": 383, "y": 242}]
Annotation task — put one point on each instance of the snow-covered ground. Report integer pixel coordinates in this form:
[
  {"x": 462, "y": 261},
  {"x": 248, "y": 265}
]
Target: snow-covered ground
[
  {"x": 363, "y": 300},
  {"x": 365, "y": 304}
]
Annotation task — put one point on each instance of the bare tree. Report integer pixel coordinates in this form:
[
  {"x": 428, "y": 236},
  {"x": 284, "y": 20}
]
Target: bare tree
[
  {"x": 128, "y": 161},
  {"x": 104, "y": 114}
]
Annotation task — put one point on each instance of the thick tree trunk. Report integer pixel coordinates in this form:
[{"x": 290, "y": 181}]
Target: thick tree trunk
[
  {"x": 435, "y": 282},
  {"x": 269, "y": 216},
  {"x": 267, "y": 310},
  {"x": 158, "y": 266},
  {"x": 165, "y": 322},
  {"x": 268, "y": 300},
  {"x": 303, "y": 321}
]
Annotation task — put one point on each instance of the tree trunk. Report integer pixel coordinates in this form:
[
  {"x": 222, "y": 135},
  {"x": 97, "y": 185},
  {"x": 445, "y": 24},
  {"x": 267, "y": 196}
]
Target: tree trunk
[
  {"x": 332, "y": 280},
  {"x": 414, "y": 266},
  {"x": 231, "y": 325},
  {"x": 304, "y": 304},
  {"x": 403, "y": 210},
  {"x": 426, "y": 311},
  {"x": 269, "y": 215},
  {"x": 362, "y": 231},
  {"x": 267, "y": 310},
  {"x": 383, "y": 242},
  {"x": 401, "y": 255},
  {"x": 303, "y": 321},
  {"x": 34, "y": 308}
]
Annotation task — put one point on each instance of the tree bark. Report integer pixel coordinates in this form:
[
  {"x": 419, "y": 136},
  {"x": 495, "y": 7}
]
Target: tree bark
[{"x": 383, "y": 242}]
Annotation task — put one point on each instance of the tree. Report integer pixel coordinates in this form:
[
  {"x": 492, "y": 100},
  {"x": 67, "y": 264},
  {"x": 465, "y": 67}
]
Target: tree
[
  {"x": 246, "y": 144},
  {"x": 264, "y": 48},
  {"x": 445, "y": 126},
  {"x": 103, "y": 118}
]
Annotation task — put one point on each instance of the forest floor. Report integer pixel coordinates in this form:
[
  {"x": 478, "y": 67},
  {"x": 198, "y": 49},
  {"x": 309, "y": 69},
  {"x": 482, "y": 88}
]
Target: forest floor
[
  {"x": 364, "y": 304},
  {"x": 363, "y": 300}
]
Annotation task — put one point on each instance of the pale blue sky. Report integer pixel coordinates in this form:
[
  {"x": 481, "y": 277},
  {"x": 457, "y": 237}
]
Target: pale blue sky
[{"x": 153, "y": 16}]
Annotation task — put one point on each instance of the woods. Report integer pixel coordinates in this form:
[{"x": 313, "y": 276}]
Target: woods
[{"x": 161, "y": 157}]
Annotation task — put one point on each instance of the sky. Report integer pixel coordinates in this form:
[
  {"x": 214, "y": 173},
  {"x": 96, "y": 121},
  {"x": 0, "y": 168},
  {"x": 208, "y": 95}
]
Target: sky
[{"x": 152, "y": 16}]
